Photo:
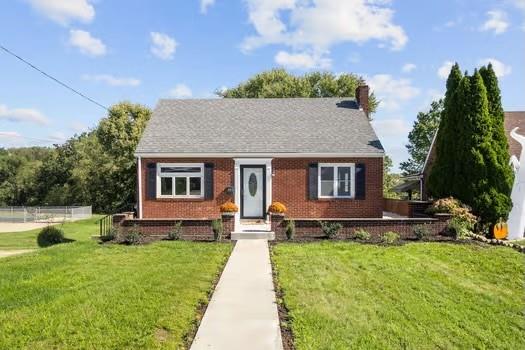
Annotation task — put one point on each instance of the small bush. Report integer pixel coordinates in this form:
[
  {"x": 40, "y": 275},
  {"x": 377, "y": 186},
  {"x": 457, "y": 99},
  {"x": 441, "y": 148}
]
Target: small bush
[
  {"x": 290, "y": 229},
  {"x": 133, "y": 236},
  {"x": 216, "y": 226},
  {"x": 444, "y": 205},
  {"x": 110, "y": 235},
  {"x": 49, "y": 236},
  {"x": 176, "y": 231},
  {"x": 330, "y": 229},
  {"x": 229, "y": 207},
  {"x": 277, "y": 208},
  {"x": 421, "y": 232},
  {"x": 459, "y": 228},
  {"x": 389, "y": 237},
  {"x": 362, "y": 235}
]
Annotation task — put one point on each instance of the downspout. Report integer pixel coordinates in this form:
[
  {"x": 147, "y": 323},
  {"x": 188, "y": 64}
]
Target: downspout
[{"x": 139, "y": 180}]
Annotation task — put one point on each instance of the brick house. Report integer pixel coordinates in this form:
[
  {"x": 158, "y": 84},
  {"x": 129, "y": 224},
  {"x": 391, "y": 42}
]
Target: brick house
[{"x": 318, "y": 156}]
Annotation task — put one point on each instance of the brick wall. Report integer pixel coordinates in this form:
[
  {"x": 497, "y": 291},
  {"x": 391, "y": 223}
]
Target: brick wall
[
  {"x": 406, "y": 208},
  {"x": 289, "y": 186}
]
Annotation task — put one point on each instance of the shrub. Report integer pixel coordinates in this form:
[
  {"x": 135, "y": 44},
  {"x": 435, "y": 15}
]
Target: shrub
[
  {"x": 216, "y": 226},
  {"x": 176, "y": 231},
  {"x": 277, "y": 208},
  {"x": 229, "y": 207},
  {"x": 330, "y": 229},
  {"x": 458, "y": 228},
  {"x": 110, "y": 235},
  {"x": 389, "y": 237},
  {"x": 362, "y": 235},
  {"x": 133, "y": 236},
  {"x": 444, "y": 205},
  {"x": 290, "y": 229},
  {"x": 421, "y": 232},
  {"x": 49, "y": 236}
]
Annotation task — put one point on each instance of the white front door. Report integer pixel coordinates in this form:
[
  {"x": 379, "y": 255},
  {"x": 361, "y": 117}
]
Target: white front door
[{"x": 253, "y": 191}]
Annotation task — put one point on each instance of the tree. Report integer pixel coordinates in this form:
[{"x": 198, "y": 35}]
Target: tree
[
  {"x": 390, "y": 180},
  {"x": 278, "y": 83},
  {"x": 421, "y": 136},
  {"x": 476, "y": 172}
]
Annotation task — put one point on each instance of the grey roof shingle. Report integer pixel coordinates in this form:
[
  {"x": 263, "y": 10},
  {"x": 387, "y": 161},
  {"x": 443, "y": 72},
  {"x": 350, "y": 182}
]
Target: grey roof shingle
[{"x": 276, "y": 125}]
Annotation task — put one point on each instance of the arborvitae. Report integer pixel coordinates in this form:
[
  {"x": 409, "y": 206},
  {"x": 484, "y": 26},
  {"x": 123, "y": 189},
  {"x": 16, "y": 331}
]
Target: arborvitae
[{"x": 442, "y": 175}]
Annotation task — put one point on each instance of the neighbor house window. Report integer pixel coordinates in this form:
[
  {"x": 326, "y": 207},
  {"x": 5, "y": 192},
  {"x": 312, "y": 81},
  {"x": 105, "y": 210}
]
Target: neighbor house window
[
  {"x": 336, "y": 180},
  {"x": 178, "y": 180}
]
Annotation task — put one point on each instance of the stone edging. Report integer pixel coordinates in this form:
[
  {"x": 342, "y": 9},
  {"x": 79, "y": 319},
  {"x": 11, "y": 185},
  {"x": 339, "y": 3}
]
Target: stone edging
[{"x": 493, "y": 241}]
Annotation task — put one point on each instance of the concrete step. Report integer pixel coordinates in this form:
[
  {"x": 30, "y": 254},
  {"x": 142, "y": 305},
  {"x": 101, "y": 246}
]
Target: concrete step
[{"x": 269, "y": 235}]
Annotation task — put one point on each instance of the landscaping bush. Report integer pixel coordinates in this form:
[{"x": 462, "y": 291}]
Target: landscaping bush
[
  {"x": 277, "y": 208},
  {"x": 444, "y": 205},
  {"x": 389, "y": 237},
  {"x": 421, "y": 232},
  {"x": 290, "y": 229},
  {"x": 330, "y": 229},
  {"x": 49, "y": 236},
  {"x": 229, "y": 207},
  {"x": 110, "y": 235},
  {"x": 458, "y": 228},
  {"x": 216, "y": 226},
  {"x": 176, "y": 231},
  {"x": 362, "y": 235},
  {"x": 133, "y": 236}
]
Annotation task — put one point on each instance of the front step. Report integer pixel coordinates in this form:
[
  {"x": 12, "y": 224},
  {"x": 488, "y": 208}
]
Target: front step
[{"x": 269, "y": 235}]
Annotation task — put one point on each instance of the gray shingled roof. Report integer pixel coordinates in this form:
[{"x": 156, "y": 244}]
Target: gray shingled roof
[{"x": 276, "y": 125}]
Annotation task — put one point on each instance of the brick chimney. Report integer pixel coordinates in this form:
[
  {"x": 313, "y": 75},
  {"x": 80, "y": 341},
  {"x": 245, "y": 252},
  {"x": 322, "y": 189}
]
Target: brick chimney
[{"x": 361, "y": 96}]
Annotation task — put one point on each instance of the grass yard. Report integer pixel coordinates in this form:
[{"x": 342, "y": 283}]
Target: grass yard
[
  {"x": 84, "y": 295},
  {"x": 80, "y": 230},
  {"x": 416, "y": 296}
]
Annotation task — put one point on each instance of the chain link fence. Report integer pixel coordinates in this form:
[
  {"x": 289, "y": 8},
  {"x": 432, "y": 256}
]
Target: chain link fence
[{"x": 44, "y": 214}]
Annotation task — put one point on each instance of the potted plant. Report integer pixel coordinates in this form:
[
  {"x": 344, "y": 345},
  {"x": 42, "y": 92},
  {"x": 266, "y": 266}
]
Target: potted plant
[
  {"x": 228, "y": 209},
  {"x": 277, "y": 208}
]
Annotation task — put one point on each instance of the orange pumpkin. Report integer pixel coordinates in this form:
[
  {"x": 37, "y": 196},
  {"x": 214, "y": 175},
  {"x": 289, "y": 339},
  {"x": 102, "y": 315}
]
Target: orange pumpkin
[{"x": 501, "y": 230}]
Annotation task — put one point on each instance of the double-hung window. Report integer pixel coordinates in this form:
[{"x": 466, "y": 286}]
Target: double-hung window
[
  {"x": 336, "y": 180},
  {"x": 180, "y": 180}
]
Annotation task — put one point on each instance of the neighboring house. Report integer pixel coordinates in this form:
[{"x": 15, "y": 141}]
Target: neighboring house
[
  {"x": 512, "y": 120},
  {"x": 318, "y": 156}
]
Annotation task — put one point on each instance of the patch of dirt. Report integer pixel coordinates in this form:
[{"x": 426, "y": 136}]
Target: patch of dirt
[{"x": 162, "y": 335}]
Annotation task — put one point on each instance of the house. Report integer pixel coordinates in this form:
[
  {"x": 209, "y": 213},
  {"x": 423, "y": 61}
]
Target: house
[
  {"x": 512, "y": 120},
  {"x": 318, "y": 156}
]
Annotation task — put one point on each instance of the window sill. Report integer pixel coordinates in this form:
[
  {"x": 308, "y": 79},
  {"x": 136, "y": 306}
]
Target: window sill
[
  {"x": 335, "y": 199},
  {"x": 179, "y": 200}
]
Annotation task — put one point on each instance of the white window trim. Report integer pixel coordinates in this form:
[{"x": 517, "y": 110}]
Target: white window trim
[
  {"x": 335, "y": 166},
  {"x": 174, "y": 175}
]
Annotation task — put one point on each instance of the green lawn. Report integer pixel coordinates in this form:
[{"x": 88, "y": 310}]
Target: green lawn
[
  {"x": 88, "y": 296},
  {"x": 415, "y": 296},
  {"x": 81, "y": 230}
]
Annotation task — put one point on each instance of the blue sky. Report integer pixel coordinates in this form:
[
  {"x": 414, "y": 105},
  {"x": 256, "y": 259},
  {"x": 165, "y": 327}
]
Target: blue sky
[{"x": 115, "y": 50}]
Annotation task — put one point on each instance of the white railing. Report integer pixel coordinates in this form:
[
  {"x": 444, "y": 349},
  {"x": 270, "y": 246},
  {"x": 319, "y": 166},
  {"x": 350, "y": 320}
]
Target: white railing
[{"x": 36, "y": 214}]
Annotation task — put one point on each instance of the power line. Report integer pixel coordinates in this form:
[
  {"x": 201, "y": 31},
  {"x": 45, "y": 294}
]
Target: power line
[{"x": 52, "y": 78}]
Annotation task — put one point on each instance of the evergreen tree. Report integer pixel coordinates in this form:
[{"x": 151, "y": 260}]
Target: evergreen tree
[{"x": 442, "y": 176}]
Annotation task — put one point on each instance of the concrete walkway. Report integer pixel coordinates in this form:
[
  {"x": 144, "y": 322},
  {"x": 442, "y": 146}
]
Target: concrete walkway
[
  {"x": 242, "y": 313},
  {"x": 6, "y": 253}
]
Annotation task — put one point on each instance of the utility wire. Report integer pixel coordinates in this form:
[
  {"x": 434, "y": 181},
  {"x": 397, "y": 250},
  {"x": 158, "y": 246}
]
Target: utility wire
[{"x": 53, "y": 78}]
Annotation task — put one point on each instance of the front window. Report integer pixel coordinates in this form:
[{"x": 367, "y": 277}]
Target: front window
[
  {"x": 180, "y": 180},
  {"x": 336, "y": 180}
]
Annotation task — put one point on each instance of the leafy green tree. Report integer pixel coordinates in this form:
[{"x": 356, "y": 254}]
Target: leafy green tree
[
  {"x": 390, "y": 180},
  {"x": 278, "y": 83},
  {"x": 420, "y": 138}
]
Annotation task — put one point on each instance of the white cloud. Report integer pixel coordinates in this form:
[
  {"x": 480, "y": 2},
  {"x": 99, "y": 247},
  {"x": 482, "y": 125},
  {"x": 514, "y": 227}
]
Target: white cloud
[
  {"x": 205, "y": 4},
  {"x": 65, "y": 11},
  {"x": 391, "y": 92},
  {"x": 408, "y": 67},
  {"x": 500, "y": 68},
  {"x": 444, "y": 70},
  {"x": 86, "y": 43},
  {"x": 78, "y": 127},
  {"x": 301, "y": 60},
  {"x": 9, "y": 134},
  {"x": 57, "y": 136},
  {"x": 19, "y": 115},
  {"x": 319, "y": 24},
  {"x": 497, "y": 22},
  {"x": 163, "y": 46},
  {"x": 112, "y": 80},
  {"x": 394, "y": 127},
  {"x": 181, "y": 91}
]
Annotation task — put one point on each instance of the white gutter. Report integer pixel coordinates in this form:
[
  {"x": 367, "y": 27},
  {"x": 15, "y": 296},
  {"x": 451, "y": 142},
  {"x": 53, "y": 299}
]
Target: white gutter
[
  {"x": 258, "y": 155},
  {"x": 139, "y": 179}
]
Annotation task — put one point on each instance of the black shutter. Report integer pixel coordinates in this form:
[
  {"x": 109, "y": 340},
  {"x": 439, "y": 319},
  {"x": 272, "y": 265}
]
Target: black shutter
[
  {"x": 208, "y": 181},
  {"x": 312, "y": 180},
  {"x": 151, "y": 181},
  {"x": 360, "y": 181}
]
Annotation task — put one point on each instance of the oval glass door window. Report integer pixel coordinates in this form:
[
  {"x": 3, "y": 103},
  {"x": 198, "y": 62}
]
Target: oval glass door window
[{"x": 252, "y": 184}]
